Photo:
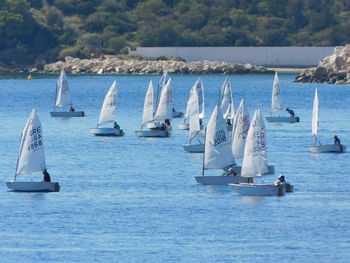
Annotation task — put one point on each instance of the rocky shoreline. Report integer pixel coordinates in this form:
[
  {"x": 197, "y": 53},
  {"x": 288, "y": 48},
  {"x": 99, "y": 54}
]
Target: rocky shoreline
[
  {"x": 115, "y": 65},
  {"x": 333, "y": 69}
]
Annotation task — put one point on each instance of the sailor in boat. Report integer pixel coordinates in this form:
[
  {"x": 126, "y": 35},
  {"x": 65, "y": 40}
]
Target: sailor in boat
[
  {"x": 71, "y": 109},
  {"x": 280, "y": 181},
  {"x": 167, "y": 123},
  {"x": 231, "y": 172},
  {"x": 47, "y": 177},
  {"x": 336, "y": 140},
  {"x": 291, "y": 112},
  {"x": 116, "y": 126}
]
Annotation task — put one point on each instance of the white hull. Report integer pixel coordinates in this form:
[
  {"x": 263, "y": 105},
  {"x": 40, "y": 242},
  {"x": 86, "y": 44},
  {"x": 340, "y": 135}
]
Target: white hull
[
  {"x": 194, "y": 148},
  {"x": 177, "y": 114},
  {"x": 327, "y": 148},
  {"x": 34, "y": 186},
  {"x": 107, "y": 132},
  {"x": 237, "y": 169},
  {"x": 219, "y": 180},
  {"x": 258, "y": 189},
  {"x": 184, "y": 126},
  {"x": 67, "y": 114},
  {"x": 282, "y": 119},
  {"x": 153, "y": 133}
]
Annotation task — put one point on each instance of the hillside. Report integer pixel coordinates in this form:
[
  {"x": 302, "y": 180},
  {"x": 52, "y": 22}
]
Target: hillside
[{"x": 38, "y": 31}]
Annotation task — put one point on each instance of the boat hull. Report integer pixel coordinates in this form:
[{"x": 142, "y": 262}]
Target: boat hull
[
  {"x": 237, "y": 169},
  {"x": 153, "y": 133},
  {"x": 67, "y": 114},
  {"x": 107, "y": 132},
  {"x": 184, "y": 126},
  {"x": 327, "y": 148},
  {"x": 258, "y": 189},
  {"x": 34, "y": 186},
  {"x": 283, "y": 119},
  {"x": 219, "y": 180},
  {"x": 194, "y": 148}
]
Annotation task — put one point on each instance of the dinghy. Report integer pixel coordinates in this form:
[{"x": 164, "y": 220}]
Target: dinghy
[
  {"x": 31, "y": 159},
  {"x": 164, "y": 111},
  {"x": 318, "y": 147},
  {"x": 255, "y": 162},
  {"x": 226, "y": 103},
  {"x": 63, "y": 99},
  {"x": 276, "y": 105},
  {"x": 198, "y": 87},
  {"x": 195, "y": 128},
  {"x": 217, "y": 151},
  {"x": 107, "y": 115}
]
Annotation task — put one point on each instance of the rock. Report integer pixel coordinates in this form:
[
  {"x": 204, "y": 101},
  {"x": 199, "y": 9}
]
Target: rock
[
  {"x": 332, "y": 69},
  {"x": 114, "y": 65}
]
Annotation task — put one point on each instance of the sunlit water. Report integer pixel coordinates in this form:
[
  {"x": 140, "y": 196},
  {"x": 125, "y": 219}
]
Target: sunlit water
[{"x": 132, "y": 199}]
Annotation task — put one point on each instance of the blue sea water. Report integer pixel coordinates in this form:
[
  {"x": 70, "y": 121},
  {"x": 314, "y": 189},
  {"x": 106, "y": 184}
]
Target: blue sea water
[{"x": 132, "y": 199}]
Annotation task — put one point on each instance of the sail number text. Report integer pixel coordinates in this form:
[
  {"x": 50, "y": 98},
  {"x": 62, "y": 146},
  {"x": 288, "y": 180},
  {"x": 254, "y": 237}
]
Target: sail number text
[{"x": 35, "y": 139}]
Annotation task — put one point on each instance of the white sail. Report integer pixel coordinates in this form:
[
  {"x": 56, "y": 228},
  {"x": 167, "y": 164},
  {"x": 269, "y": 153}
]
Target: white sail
[
  {"x": 226, "y": 101},
  {"x": 276, "y": 101},
  {"x": 161, "y": 83},
  {"x": 165, "y": 106},
  {"x": 148, "y": 105},
  {"x": 198, "y": 87},
  {"x": 63, "y": 97},
  {"x": 255, "y": 156},
  {"x": 240, "y": 130},
  {"x": 315, "y": 113},
  {"x": 31, "y": 156},
  {"x": 218, "y": 152},
  {"x": 108, "y": 108},
  {"x": 194, "y": 114}
]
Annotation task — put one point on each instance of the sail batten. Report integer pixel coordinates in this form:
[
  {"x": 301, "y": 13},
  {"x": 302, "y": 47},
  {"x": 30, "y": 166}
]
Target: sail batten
[{"x": 31, "y": 156}]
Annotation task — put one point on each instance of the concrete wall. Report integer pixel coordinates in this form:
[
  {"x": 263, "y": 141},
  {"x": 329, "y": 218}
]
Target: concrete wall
[{"x": 263, "y": 56}]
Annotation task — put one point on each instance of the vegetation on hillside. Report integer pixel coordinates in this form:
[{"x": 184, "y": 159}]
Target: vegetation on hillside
[{"x": 36, "y": 30}]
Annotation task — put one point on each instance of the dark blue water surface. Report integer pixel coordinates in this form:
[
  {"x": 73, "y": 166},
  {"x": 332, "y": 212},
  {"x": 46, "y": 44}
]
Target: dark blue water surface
[{"x": 132, "y": 199}]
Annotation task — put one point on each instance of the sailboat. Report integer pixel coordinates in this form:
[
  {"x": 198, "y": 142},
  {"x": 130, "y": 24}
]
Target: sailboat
[
  {"x": 217, "y": 151},
  {"x": 318, "y": 147},
  {"x": 107, "y": 115},
  {"x": 64, "y": 99},
  {"x": 195, "y": 126},
  {"x": 255, "y": 162},
  {"x": 198, "y": 87},
  {"x": 164, "y": 111},
  {"x": 276, "y": 105},
  {"x": 226, "y": 103},
  {"x": 31, "y": 159}
]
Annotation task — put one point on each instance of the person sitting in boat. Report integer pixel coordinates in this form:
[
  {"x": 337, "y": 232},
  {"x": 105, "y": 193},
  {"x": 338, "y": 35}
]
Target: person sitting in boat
[
  {"x": 162, "y": 126},
  {"x": 167, "y": 122},
  {"x": 71, "y": 109},
  {"x": 231, "y": 172},
  {"x": 291, "y": 112},
  {"x": 116, "y": 126},
  {"x": 336, "y": 140},
  {"x": 280, "y": 181},
  {"x": 47, "y": 177},
  {"x": 228, "y": 122}
]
